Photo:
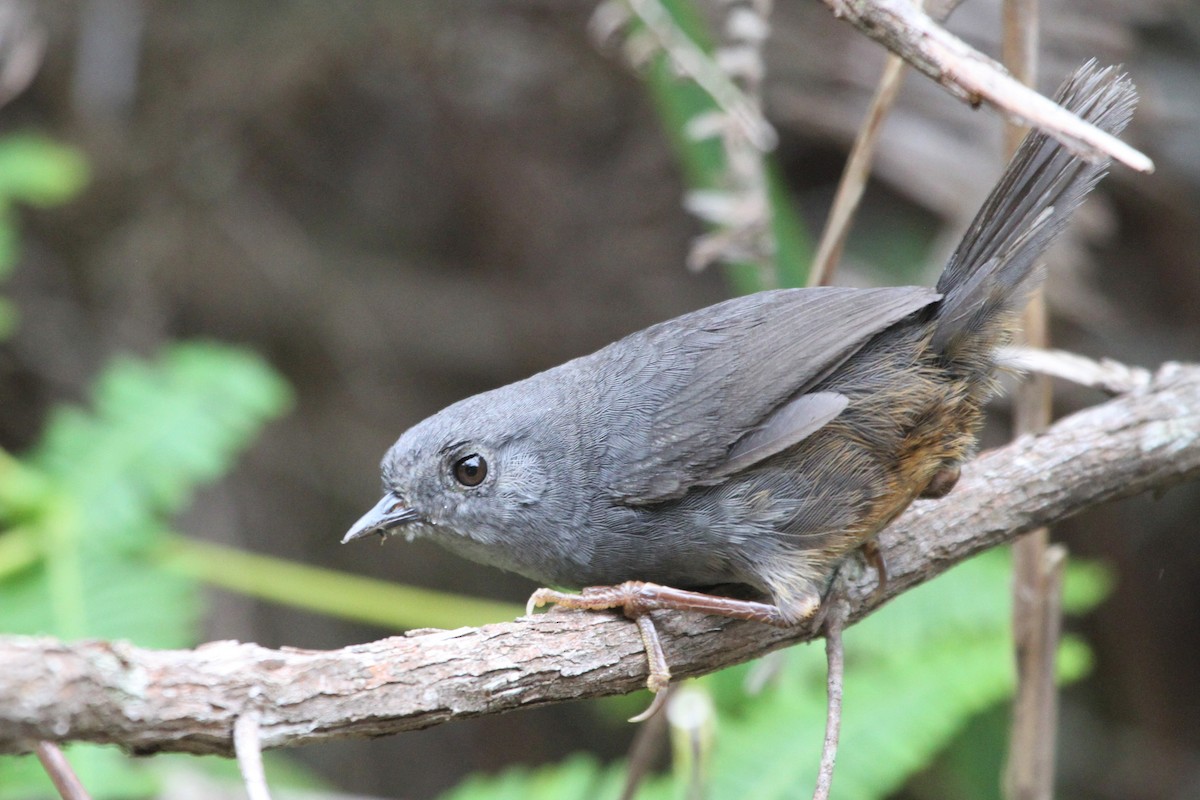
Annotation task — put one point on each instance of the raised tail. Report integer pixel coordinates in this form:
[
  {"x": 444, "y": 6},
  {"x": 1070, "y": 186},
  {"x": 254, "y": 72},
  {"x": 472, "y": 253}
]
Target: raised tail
[{"x": 987, "y": 280}]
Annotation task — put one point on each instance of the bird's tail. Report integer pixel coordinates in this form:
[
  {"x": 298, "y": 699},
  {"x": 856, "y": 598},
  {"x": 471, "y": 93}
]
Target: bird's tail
[{"x": 987, "y": 280}]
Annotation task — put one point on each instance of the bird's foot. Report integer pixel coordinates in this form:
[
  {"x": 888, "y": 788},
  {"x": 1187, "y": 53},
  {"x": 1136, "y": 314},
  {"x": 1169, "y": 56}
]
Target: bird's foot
[
  {"x": 637, "y": 599},
  {"x": 874, "y": 557}
]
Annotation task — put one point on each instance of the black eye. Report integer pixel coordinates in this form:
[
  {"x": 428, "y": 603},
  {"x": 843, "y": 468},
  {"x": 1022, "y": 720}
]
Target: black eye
[{"x": 470, "y": 470}]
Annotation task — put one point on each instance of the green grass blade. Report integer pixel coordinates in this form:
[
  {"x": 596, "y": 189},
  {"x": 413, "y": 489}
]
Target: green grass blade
[{"x": 327, "y": 591}]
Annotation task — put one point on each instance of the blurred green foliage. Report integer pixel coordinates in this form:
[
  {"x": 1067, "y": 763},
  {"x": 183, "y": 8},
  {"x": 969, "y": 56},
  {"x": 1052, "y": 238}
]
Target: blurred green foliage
[
  {"x": 355, "y": 597},
  {"x": 579, "y": 777},
  {"x": 107, "y": 480},
  {"x": 36, "y": 171},
  {"x": 82, "y": 517}
]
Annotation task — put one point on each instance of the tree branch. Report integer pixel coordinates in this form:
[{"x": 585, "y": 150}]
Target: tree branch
[
  {"x": 903, "y": 28},
  {"x": 189, "y": 700}
]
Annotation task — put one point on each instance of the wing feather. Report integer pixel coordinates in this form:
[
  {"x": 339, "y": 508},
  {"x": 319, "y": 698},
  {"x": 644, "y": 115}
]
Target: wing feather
[
  {"x": 791, "y": 424},
  {"x": 708, "y": 394}
]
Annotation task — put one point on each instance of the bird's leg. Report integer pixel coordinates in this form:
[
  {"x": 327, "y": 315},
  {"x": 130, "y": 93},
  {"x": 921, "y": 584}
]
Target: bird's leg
[
  {"x": 938, "y": 487},
  {"x": 660, "y": 671},
  {"x": 874, "y": 557},
  {"x": 637, "y": 599}
]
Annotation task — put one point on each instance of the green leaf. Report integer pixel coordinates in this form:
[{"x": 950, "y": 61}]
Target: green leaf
[
  {"x": 157, "y": 430},
  {"x": 108, "y": 479},
  {"x": 122, "y": 598},
  {"x": 1085, "y": 585},
  {"x": 88, "y": 511},
  {"x": 37, "y": 170}
]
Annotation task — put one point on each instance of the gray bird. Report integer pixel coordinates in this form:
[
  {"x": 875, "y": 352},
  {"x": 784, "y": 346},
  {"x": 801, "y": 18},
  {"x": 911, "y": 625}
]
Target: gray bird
[{"x": 756, "y": 442}]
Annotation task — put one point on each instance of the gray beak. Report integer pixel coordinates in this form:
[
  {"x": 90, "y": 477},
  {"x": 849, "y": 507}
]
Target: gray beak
[{"x": 390, "y": 512}]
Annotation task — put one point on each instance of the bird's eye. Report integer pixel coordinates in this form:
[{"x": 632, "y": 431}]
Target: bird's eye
[{"x": 470, "y": 470}]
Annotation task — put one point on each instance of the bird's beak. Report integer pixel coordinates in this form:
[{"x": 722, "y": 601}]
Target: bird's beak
[{"x": 390, "y": 512}]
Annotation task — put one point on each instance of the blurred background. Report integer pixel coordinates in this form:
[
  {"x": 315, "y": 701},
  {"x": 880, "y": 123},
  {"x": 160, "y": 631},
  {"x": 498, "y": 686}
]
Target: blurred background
[{"x": 398, "y": 204}]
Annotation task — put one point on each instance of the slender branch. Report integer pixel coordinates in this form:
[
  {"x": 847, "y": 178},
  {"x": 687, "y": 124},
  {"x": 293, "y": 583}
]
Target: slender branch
[
  {"x": 856, "y": 173},
  {"x": 189, "y": 700},
  {"x": 1037, "y": 566},
  {"x": 247, "y": 748},
  {"x": 1029, "y": 774},
  {"x": 835, "y": 669},
  {"x": 644, "y": 750},
  {"x": 1108, "y": 375},
  {"x": 61, "y": 774},
  {"x": 971, "y": 76},
  {"x": 858, "y": 164}
]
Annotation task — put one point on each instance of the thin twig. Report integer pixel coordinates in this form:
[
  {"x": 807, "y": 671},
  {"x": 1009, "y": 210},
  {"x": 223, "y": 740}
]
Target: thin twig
[
  {"x": 247, "y": 746},
  {"x": 1030, "y": 769},
  {"x": 1108, "y": 375},
  {"x": 644, "y": 750},
  {"x": 1029, "y": 773},
  {"x": 59, "y": 769},
  {"x": 858, "y": 164},
  {"x": 835, "y": 621},
  {"x": 855, "y": 175}
]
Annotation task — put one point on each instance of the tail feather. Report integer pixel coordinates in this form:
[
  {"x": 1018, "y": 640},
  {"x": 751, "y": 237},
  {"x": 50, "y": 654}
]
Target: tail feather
[{"x": 987, "y": 279}]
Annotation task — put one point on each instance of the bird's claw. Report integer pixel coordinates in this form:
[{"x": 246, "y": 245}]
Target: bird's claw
[{"x": 596, "y": 598}]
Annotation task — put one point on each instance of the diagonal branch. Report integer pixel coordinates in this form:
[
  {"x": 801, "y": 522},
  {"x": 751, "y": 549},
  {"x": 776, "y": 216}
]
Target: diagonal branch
[
  {"x": 190, "y": 700},
  {"x": 969, "y": 75}
]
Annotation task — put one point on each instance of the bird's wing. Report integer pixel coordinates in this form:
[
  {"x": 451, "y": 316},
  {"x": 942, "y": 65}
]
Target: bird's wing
[
  {"x": 709, "y": 394},
  {"x": 790, "y": 424}
]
